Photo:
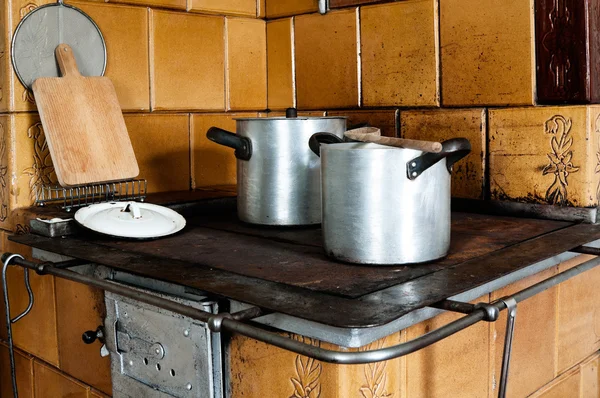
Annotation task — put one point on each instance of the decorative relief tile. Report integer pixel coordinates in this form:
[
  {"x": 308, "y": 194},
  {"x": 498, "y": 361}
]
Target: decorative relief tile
[
  {"x": 25, "y": 164},
  {"x": 41, "y": 173},
  {"x": 306, "y": 379},
  {"x": 4, "y": 182},
  {"x": 545, "y": 155},
  {"x": 261, "y": 370}
]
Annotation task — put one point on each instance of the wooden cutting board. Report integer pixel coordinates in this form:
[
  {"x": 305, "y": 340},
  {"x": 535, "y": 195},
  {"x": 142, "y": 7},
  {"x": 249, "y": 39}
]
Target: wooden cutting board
[{"x": 84, "y": 126}]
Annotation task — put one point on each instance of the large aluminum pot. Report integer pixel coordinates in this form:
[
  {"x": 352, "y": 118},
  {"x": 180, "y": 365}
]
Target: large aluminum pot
[
  {"x": 277, "y": 173},
  {"x": 385, "y": 205}
]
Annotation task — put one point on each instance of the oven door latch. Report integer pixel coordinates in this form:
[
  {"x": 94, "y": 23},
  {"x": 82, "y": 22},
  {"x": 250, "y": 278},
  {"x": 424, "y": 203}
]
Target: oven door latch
[{"x": 126, "y": 343}]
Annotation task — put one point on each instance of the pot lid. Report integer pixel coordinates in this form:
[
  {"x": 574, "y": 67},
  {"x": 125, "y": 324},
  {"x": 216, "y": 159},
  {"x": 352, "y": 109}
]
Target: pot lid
[
  {"x": 291, "y": 119},
  {"x": 291, "y": 114},
  {"x": 130, "y": 219}
]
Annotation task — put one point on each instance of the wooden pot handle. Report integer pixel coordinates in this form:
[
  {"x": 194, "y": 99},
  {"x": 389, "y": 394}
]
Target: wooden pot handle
[{"x": 372, "y": 134}]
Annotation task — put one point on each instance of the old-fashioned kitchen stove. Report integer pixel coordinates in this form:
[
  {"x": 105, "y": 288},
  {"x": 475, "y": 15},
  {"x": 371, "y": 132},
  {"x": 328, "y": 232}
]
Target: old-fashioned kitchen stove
[{"x": 169, "y": 300}]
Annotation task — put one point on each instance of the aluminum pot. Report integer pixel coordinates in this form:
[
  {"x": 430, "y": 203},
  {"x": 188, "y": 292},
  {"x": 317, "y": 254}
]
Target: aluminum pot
[
  {"x": 277, "y": 173},
  {"x": 385, "y": 205}
]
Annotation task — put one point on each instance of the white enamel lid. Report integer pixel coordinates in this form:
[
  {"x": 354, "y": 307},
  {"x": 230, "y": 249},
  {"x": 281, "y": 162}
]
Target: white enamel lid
[{"x": 130, "y": 219}]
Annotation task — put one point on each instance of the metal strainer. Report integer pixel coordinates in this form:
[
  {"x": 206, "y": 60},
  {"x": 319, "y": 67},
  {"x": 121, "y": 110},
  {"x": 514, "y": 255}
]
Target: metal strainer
[{"x": 43, "y": 29}]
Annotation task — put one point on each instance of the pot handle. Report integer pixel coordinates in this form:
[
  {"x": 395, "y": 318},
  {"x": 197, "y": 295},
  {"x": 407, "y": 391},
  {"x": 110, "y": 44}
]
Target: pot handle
[
  {"x": 317, "y": 139},
  {"x": 242, "y": 145},
  {"x": 454, "y": 150}
]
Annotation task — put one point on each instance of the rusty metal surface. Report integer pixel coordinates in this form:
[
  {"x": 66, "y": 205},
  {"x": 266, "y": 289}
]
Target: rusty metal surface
[
  {"x": 285, "y": 270},
  {"x": 295, "y": 257},
  {"x": 369, "y": 310}
]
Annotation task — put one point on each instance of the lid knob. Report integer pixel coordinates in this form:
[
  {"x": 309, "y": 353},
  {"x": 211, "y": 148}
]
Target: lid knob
[
  {"x": 291, "y": 112},
  {"x": 134, "y": 209}
]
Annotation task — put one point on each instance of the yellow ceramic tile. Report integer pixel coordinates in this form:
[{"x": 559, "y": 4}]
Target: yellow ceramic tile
[
  {"x": 578, "y": 321},
  {"x": 455, "y": 366},
  {"x": 565, "y": 386},
  {"x": 24, "y": 369},
  {"x": 80, "y": 308},
  {"x": 326, "y": 60},
  {"x": 125, "y": 30},
  {"x": 282, "y": 8},
  {"x": 261, "y": 370},
  {"x": 230, "y": 7},
  {"x": 590, "y": 377},
  {"x": 187, "y": 61},
  {"x": 246, "y": 64},
  {"x": 468, "y": 175},
  {"x": 534, "y": 346},
  {"x": 545, "y": 155},
  {"x": 162, "y": 148},
  {"x": 399, "y": 54},
  {"x": 26, "y": 332},
  {"x": 50, "y": 382},
  {"x": 381, "y": 379},
  {"x": 281, "y": 90},
  {"x": 386, "y": 120},
  {"x": 177, "y": 4},
  {"x": 213, "y": 164},
  {"x": 483, "y": 61}
]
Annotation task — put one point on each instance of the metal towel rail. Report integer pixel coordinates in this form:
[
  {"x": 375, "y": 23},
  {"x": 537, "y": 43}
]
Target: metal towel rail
[{"x": 236, "y": 322}]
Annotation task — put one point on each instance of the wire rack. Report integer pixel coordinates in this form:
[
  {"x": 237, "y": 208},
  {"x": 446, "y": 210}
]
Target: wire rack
[{"x": 70, "y": 198}]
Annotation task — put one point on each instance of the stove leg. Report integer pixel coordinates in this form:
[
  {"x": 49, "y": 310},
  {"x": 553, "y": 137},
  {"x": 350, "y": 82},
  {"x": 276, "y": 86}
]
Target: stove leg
[
  {"x": 9, "y": 320},
  {"x": 511, "y": 307}
]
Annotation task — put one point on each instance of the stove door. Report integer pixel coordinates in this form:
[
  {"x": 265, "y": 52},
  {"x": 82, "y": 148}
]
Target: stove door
[{"x": 157, "y": 353}]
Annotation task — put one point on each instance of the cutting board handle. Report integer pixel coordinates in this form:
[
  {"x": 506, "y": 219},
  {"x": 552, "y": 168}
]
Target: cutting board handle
[{"x": 66, "y": 61}]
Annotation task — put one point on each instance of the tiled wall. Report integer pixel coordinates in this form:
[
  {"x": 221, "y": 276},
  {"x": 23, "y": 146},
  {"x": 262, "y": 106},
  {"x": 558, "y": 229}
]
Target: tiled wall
[
  {"x": 448, "y": 68},
  {"x": 423, "y": 69}
]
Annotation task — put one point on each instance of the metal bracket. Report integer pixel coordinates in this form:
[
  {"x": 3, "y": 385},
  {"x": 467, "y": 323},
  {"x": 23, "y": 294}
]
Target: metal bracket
[
  {"x": 9, "y": 320},
  {"x": 323, "y": 6},
  {"x": 511, "y": 307}
]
